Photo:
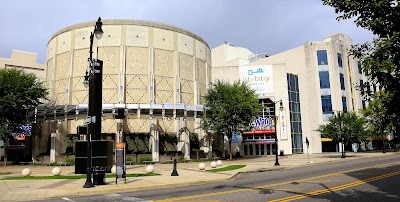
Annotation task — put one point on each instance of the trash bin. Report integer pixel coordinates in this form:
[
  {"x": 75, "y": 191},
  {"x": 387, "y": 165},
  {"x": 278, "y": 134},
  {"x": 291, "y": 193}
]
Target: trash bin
[
  {"x": 281, "y": 153},
  {"x": 99, "y": 175}
]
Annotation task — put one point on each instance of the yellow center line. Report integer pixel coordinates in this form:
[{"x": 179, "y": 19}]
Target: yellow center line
[
  {"x": 333, "y": 189},
  {"x": 271, "y": 185}
]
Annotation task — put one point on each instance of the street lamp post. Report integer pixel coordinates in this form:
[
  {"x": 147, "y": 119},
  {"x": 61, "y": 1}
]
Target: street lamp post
[
  {"x": 90, "y": 120},
  {"x": 276, "y": 135}
]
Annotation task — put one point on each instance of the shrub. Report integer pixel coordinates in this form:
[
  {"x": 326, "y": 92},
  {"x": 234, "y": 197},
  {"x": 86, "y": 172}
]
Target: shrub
[
  {"x": 70, "y": 161},
  {"x": 181, "y": 159},
  {"x": 141, "y": 159},
  {"x": 129, "y": 158}
]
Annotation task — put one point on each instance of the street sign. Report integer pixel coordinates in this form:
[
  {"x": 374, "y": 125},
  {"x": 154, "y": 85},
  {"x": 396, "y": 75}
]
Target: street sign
[
  {"x": 90, "y": 119},
  {"x": 235, "y": 138}
]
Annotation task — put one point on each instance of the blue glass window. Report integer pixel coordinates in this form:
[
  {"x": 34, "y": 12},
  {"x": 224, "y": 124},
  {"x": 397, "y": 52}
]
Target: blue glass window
[
  {"x": 339, "y": 58},
  {"x": 322, "y": 57},
  {"x": 363, "y": 103},
  {"x": 326, "y": 104},
  {"x": 359, "y": 68},
  {"x": 295, "y": 113},
  {"x": 324, "y": 80},
  {"x": 342, "y": 82},
  {"x": 344, "y": 104}
]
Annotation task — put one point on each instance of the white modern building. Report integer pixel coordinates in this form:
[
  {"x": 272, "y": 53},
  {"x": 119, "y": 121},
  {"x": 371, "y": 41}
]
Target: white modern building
[{"x": 313, "y": 81}]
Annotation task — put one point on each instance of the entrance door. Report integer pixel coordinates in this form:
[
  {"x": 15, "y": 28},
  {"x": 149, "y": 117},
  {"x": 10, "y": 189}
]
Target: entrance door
[
  {"x": 262, "y": 149},
  {"x": 258, "y": 149}
]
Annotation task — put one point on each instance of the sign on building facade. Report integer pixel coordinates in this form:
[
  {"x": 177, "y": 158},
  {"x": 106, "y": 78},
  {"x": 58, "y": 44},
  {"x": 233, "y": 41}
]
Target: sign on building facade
[{"x": 259, "y": 78}]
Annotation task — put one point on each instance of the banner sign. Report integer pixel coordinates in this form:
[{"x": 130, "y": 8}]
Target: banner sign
[
  {"x": 259, "y": 78},
  {"x": 26, "y": 131},
  {"x": 120, "y": 162},
  {"x": 282, "y": 118},
  {"x": 262, "y": 123}
]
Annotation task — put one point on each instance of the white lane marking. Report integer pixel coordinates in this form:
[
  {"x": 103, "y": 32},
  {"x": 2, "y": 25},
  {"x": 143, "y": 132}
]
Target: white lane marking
[
  {"x": 133, "y": 199},
  {"x": 67, "y": 199},
  {"x": 112, "y": 195}
]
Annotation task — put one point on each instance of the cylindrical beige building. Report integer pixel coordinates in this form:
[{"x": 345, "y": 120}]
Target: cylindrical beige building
[{"x": 152, "y": 70}]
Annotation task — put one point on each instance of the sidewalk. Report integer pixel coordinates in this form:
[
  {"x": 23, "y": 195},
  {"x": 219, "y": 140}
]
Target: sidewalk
[{"x": 189, "y": 174}]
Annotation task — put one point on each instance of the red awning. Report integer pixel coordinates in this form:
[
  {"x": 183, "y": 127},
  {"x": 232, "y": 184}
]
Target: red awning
[{"x": 269, "y": 131}]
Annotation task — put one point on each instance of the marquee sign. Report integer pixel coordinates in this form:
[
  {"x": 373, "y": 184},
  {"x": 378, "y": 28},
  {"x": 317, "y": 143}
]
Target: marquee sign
[
  {"x": 262, "y": 125},
  {"x": 26, "y": 131}
]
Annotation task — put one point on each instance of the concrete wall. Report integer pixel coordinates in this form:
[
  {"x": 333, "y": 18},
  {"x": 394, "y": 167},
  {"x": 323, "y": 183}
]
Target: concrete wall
[
  {"x": 226, "y": 61},
  {"x": 23, "y": 60}
]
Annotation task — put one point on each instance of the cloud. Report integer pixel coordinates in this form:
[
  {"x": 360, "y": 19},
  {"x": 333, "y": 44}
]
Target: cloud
[{"x": 254, "y": 24}]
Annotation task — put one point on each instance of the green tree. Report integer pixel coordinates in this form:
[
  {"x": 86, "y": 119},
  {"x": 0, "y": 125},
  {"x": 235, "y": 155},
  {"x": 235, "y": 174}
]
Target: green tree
[
  {"x": 229, "y": 107},
  {"x": 380, "y": 121},
  {"x": 20, "y": 92},
  {"x": 380, "y": 60},
  {"x": 345, "y": 127}
]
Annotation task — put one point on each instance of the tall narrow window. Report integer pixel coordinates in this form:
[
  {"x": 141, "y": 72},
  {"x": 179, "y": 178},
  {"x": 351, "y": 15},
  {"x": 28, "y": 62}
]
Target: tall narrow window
[
  {"x": 342, "y": 82},
  {"x": 339, "y": 58},
  {"x": 324, "y": 80},
  {"x": 344, "y": 104},
  {"x": 295, "y": 113},
  {"x": 326, "y": 104},
  {"x": 322, "y": 57},
  {"x": 359, "y": 68}
]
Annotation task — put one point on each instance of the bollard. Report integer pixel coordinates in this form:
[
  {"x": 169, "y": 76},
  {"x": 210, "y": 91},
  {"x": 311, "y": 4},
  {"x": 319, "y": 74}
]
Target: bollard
[{"x": 174, "y": 172}]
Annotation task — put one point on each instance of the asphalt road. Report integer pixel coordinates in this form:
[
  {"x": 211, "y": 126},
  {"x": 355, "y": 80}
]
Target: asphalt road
[{"x": 373, "y": 179}]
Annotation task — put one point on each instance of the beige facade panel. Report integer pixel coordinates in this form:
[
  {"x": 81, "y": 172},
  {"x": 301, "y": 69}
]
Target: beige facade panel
[
  {"x": 63, "y": 42},
  {"x": 163, "y": 39},
  {"x": 73, "y": 124},
  {"x": 61, "y": 75},
  {"x": 186, "y": 75},
  {"x": 109, "y": 126},
  {"x": 49, "y": 74},
  {"x": 167, "y": 126},
  {"x": 164, "y": 76},
  {"x": 137, "y": 36},
  {"x": 62, "y": 62},
  {"x": 200, "y": 50},
  {"x": 111, "y": 36},
  {"x": 137, "y": 125},
  {"x": 60, "y": 91},
  {"x": 82, "y": 38},
  {"x": 185, "y": 44},
  {"x": 80, "y": 62},
  {"x": 79, "y": 97},
  {"x": 51, "y": 48},
  {"x": 137, "y": 78}
]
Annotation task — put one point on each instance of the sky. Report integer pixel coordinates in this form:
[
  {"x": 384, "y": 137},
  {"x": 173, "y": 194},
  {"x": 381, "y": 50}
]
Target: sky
[{"x": 270, "y": 26}]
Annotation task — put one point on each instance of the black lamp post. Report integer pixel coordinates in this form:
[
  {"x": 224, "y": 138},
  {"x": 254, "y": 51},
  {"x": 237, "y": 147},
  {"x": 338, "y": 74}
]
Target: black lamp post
[
  {"x": 90, "y": 120},
  {"x": 276, "y": 135}
]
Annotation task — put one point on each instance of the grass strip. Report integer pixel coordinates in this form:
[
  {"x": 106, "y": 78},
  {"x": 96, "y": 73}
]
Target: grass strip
[
  {"x": 71, "y": 177},
  {"x": 231, "y": 167}
]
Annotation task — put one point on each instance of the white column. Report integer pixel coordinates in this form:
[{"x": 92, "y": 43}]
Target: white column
[
  {"x": 154, "y": 140},
  {"x": 53, "y": 147},
  {"x": 186, "y": 144}
]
